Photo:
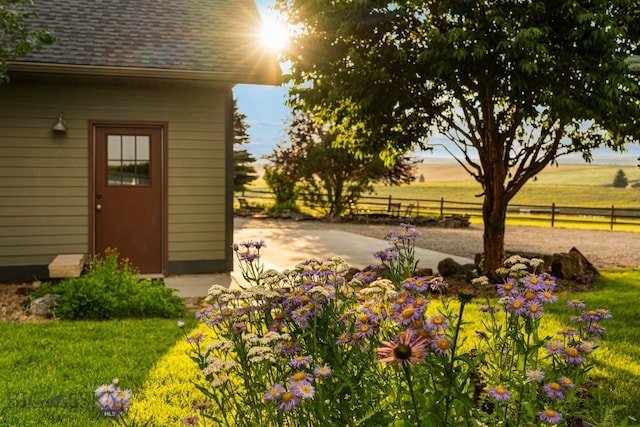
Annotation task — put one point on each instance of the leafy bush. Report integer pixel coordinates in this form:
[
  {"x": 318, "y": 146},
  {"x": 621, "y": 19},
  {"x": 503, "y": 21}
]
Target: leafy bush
[{"x": 111, "y": 288}]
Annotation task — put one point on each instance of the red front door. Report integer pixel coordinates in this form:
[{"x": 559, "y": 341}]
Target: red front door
[{"x": 128, "y": 194}]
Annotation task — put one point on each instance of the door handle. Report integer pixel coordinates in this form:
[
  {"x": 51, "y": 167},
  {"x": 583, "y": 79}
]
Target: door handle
[{"x": 98, "y": 207}]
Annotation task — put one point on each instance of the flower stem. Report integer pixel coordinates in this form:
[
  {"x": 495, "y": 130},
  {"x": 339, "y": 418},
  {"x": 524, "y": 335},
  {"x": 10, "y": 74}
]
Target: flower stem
[
  {"x": 450, "y": 375},
  {"x": 407, "y": 374}
]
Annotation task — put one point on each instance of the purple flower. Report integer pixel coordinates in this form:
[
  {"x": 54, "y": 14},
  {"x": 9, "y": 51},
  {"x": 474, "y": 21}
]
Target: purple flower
[
  {"x": 364, "y": 330},
  {"x": 274, "y": 392},
  {"x": 549, "y": 416},
  {"x": 437, "y": 284},
  {"x": 303, "y": 389},
  {"x": 535, "y": 374},
  {"x": 418, "y": 284},
  {"x": 441, "y": 344},
  {"x": 594, "y": 328},
  {"x": 586, "y": 347},
  {"x": 366, "y": 276},
  {"x": 112, "y": 400},
  {"x": 300, "y": 361},
  {"x": 568, "y": 332},
  {"x": 200, "y": 406},
  {"x": 288, "y": 400},
  {"x": 300, "y": 377},
  {"x": 554, "y": 390},
  {"x": 533, "y": 309},
  {"x": 554, "y": 347},
  {"x": 575, "y": 303},
  {"x": 516, "y": 306},
  {"x": 196, "y": 337},
  {"x": 190, "y": 420},
  {"x": 438, "y": 322},
  {"x": 508, "y": 288},
  {"x": 547, "y": 297},
  {"x": 323, "y": 371},
  {"x": 388, "y": 254},
  {"x": 534, "y": 283},
  {"x": 572, "y": 356},
  {"x": 488, "y": 309},
  {"x": 566, "y": 382},
  {"x": 499, "y": 393},
  {"x": 591, "y": 315}
]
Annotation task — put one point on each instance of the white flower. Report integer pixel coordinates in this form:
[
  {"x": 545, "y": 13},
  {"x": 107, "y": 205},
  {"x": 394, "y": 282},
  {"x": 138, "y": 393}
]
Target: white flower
[
  {"x": 519, "y": 267},
  {"x": 502, "y": 272},
  {"x": 217, "y": 290},
  {"x": 480, "y": 281},
  {"x": 320, "y": 290},
  {"x": 252, "y": 338},
  {"x": 536, "y": 262},
  {"x": 180, "y": 324},
  {"x": 272, "y": 336},
  {"x": 223, "y": 345},
  {"x": 219, "y": 381},
  {"x": 217, "y": 365}
]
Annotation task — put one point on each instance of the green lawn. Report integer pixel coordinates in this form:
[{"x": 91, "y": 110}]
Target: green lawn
[{"x": 50, "y": 369}]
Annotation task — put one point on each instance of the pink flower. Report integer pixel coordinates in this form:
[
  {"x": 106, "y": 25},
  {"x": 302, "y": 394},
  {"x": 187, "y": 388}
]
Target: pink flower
[{"x": 405, "y": 350}]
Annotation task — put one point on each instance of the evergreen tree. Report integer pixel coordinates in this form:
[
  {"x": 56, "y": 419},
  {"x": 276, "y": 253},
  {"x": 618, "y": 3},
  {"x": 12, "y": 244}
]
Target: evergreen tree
[
  {"x": 620, "y": 181},
  {"x": 243, "y": 172}
]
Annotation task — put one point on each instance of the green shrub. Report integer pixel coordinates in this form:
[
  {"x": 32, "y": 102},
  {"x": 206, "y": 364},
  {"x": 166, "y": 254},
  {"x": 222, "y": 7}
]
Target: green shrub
[
  {"x": 111, "y": 288},
  {"x": 280, "y": 207}
]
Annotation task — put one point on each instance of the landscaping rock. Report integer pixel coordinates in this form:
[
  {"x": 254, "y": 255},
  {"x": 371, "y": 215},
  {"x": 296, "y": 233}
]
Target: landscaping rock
[
  {"x": 448, "y": 267},
  {"x": 44, "y": 306},
  {"x": 573, "y": 266}
]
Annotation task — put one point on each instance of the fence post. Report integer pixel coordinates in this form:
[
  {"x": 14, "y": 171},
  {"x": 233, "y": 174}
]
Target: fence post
[
  {"x": 389, "y": 205},
  {"x": 613, "y": 216},
  {"x": 417, "y": 209},
  {"x": 442, "y": 207},
  {"x": 553, "y": 214}
]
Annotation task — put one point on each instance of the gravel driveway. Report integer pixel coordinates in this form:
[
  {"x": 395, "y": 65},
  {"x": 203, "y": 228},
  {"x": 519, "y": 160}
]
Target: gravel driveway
[{"x": 604, "y": 249}]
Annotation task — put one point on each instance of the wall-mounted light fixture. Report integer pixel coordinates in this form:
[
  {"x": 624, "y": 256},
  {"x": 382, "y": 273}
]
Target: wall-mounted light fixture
[{"x": 60, "y": 126}]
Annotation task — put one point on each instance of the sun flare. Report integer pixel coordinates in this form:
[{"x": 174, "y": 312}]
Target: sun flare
[{"x": 274, "y": 34}]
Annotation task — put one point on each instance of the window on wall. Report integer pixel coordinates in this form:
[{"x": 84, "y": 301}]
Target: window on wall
[{"x": 128, "y": 160}]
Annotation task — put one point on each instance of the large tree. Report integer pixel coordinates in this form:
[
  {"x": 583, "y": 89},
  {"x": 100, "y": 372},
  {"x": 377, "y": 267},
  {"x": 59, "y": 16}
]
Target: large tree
[
  {"x": 17, "y": 38},
  {"x": 328, "y": 176},
  {"x": 513, "y": 84}
]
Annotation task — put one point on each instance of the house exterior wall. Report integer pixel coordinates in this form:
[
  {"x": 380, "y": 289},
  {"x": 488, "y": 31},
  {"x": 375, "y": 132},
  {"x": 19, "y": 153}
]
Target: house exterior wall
[{"x": 44, "y": 176}]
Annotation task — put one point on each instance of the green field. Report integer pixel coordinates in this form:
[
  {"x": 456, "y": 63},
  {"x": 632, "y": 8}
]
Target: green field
[{"x": 566, "y": 185}]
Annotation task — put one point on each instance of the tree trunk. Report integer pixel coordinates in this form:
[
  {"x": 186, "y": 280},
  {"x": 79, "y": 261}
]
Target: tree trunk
[{"x": 494, "y": 213}]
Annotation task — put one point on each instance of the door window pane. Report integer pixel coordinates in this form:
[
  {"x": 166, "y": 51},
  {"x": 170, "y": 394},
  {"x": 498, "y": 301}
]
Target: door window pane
[{"x": 128, "y": 160}]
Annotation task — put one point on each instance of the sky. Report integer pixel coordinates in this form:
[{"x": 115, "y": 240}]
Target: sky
[{"x": 266, "y": 115}]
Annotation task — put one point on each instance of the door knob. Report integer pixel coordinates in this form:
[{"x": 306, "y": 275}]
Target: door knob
[{"x": 98, "y": 207}]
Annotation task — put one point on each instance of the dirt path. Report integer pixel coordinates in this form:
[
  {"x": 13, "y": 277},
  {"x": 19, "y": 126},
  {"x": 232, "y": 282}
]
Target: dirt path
[{"x": 604, "y": 249}]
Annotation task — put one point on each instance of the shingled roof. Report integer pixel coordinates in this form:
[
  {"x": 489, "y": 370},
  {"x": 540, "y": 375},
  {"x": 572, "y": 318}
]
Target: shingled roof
[{"x": 211, "y": 39}]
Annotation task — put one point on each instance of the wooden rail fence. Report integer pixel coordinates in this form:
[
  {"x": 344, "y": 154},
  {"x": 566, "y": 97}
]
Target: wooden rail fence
[{"x": 407, "y": 208}]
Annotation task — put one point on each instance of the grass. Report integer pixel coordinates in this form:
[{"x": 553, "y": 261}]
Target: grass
[
  {"x": 57, "y": 365},
  {"x": 50, "y": 369},
  {"x": 575, "y": 186}
]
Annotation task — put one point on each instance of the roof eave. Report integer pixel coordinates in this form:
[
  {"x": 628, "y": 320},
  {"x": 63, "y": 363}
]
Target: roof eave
[{"x": 269, "y": 77}]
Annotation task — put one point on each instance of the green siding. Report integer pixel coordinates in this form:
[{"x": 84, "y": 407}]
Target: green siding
[{"x": 44, "y": 177}]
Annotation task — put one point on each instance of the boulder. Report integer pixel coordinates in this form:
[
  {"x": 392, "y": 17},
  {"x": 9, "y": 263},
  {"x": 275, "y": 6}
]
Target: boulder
[
  {"x": 44, "y": 306},
  {"x": 572, "y": 266},
  {"x": 423, "y": 272},
  {"x": 448, "y": 267}
]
